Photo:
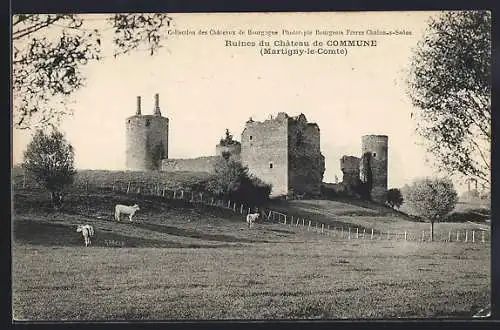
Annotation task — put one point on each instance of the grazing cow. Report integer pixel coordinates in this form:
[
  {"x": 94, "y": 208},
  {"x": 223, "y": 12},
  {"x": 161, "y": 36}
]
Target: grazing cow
[
  {"x": 251, "y": 218},
  {"x": 87, "y": 232},
  {"x": 124, "y": 209}
]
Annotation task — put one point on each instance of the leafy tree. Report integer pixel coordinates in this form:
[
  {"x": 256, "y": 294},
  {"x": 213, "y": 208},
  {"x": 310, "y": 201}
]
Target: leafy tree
[
  {"x": 49, "y": 160},
  {"x": 232, "y": 180},
  {"x": 394, "y": 198},
  {"x": 449, "y": 82},
  {"x": 431, "y": 199},
  {"x": 50, "y": 50}
]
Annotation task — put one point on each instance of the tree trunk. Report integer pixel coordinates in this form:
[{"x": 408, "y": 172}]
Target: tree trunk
[{"x": 432, "y": 230}]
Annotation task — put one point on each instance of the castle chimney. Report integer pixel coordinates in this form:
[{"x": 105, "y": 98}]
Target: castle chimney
[
  {"x": 157, "y": 105},
  {"x": 138, "y": 111}
]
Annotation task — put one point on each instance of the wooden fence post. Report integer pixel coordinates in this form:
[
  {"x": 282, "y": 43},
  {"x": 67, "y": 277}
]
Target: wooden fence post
[
  {"x": 371, "y": 237},
  {"x": 449, "y": 236},
  {"x": 285, "y": 219},
  {"x": 234, "y": 207},
  {"x": 466, "y": 235},
  {"x": 364, "y": 231},
  {"x": 349, "y": 237},
  {"x": 248, "y": 211},
  {"x": 297, "y": 224},
  {"x": 405, "y": 235},
  {"x": 458, "y": 235},
  {"x": 388, "y": 235},
  {"x": 241, "y": 209},
  {"x": 309, "y": 225},
  {"x": 357, "y": 232},
  {"x": 87, "y": 185},
  {"x": 303, "y": 222},
  {"x": 341, "y": 232},
  {"x": 423, "y": 235},
  {"x": 182, "y": 194},
  {"x": 322, "y": 228},
  {"x": 473, "y": 238},
  {"x": 482, "y": 237}
]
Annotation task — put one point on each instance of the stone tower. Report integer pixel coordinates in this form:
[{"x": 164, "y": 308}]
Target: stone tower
[
  {"x": 377, "y": 147},
  {"x": 285, "y": 152},
  {"x": 146, "y": 139}
]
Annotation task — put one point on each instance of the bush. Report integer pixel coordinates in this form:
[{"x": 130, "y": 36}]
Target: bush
[
  {"x": 394, "y": 198},
  {"x": 232, "y": 181},
  {"x": 49, "y": 160}
]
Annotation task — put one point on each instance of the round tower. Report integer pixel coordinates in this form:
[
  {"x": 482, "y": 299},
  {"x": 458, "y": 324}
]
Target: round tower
[
  {"x": 377, "y": 146},
  {"x": 146, "y": 139}
]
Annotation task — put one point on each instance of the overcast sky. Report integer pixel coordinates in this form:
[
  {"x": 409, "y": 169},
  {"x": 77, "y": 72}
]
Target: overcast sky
[{"x": 206, "y": 87}]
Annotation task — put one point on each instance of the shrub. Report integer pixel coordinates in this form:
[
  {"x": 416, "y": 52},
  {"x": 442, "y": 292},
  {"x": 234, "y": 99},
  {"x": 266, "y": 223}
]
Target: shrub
[
  {"x": 232, "y": 181},
  {"x": 394, "y": 198},
  {"x": 49, "y": 160}
]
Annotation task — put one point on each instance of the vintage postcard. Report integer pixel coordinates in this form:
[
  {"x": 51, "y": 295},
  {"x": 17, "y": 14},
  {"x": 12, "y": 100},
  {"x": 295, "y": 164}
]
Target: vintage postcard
[{"x": 251, "y": 166}]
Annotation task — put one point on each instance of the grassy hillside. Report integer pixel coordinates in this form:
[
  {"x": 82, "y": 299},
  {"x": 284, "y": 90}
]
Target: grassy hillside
[
  {"x": 142, "y": 180},
  {"x": 185, "y": 261},
  {"x": 366, "y": 216}
]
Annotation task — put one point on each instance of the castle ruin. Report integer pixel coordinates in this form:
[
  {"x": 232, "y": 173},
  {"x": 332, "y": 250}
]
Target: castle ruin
[
  {"x": 283, "y": 151},
  {"x": 146, "y": 139},
  {"x": 369, "y": 170}
]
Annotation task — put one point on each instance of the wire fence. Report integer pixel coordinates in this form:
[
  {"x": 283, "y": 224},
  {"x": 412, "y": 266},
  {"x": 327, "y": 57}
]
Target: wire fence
[{"x": 341, "y": 232}]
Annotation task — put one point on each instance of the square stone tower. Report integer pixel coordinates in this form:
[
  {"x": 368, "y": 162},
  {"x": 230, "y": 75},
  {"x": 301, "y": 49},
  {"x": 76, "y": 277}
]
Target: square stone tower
[{"x": 285, "y": 152}]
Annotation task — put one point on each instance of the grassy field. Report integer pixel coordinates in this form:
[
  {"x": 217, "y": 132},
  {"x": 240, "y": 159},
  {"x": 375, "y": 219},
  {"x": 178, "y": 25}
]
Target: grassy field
[{"x": 180, "y": 261}]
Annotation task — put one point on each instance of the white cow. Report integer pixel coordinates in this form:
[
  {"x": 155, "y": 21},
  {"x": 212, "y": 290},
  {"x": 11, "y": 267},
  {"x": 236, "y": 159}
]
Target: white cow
[
  {"x": 87, "y": 232},
  {"x": 124, "y": 209},
  {"x": 251, "y": 218}
]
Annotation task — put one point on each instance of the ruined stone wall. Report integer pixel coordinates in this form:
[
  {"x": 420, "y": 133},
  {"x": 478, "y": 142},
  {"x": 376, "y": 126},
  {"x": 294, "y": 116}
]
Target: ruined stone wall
[
  {"x": 306, "y": 164},
  {"x": 264, "y": 149},
  {"x": 377, "y": 146},
  {"x": 146, "y": 136},
  {"x": 350, "y": 167},
  {"x": 200, "y": 164}
]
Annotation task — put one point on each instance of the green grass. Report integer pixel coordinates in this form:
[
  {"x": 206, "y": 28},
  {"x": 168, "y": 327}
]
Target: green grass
[{"x": 179, "y": 261}]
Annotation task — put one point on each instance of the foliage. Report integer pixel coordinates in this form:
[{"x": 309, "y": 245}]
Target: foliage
[
  {"x": 50, "y": 50},
  {"x": 232, "y": 181},
  {"x": 365, "y": 186},
  {"x": 49, "y": 160},
  {"x": 431, "y": 199},
  {"x": 394, "y": 198},
  {"x": 449, "y": 82},
  {"x": 228, "y": 139}
]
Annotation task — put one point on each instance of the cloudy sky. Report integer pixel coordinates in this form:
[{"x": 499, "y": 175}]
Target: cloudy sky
[{"x": 206, "y": 87}]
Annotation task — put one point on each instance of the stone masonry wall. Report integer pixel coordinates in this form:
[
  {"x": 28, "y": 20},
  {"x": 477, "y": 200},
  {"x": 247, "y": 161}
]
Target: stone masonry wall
[
  {"x": 306, "y": 164},
  {"x": 264, "y": 149},
  {"x": 349, "y": 165},
  {"x": 145, "y": 134},
  {"x": 377, "y": 145},
  {"x": 200, "y": 164}
]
